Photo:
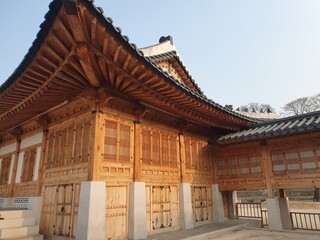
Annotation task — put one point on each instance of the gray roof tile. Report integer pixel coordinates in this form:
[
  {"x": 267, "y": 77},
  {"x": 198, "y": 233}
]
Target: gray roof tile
[{"x": 278, "y": 127}]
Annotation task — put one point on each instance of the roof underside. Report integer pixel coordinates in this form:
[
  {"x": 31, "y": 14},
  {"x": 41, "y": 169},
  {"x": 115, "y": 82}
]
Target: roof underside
[
  {"x": 78, "y": 48},
  {"x": 280, "y": 127}
]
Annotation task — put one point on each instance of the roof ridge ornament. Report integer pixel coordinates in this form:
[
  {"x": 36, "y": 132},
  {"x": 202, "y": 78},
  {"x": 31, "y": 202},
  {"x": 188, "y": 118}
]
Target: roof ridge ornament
[{"x": 167, "y": 38}]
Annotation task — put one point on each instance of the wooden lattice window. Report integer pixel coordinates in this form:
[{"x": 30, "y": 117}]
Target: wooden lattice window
[
  {"x": 29, "y": 160},
  {"x": 5, "y": 170},
  {"x": 187, "y": 144},
  {"x": 204, "y": 156},
  {"x": 292, "y": 161},
  {"x": 69, "y": 145},
  {"x": 243, "y": 164},
  {"x": 117, "y": 142},
  {"x": 155, "y": 159},
  {"x": 159, "y": 148},
  {"x": 278, "y": 163},
  {"x": 173, "y": 151},
  {"x": 221, "y": 167},
  {"x": 165, "y": 149},
  {"x": 146, "y": 146},
  {"x": 194, "y": 154},
  {"x": 110, "y": 141},
  {"x": 255, "y": 165},
  {"x": 308, "y": 159},
  {"x": 231, "y": 166},
  {"x": 124, "y": 143}
]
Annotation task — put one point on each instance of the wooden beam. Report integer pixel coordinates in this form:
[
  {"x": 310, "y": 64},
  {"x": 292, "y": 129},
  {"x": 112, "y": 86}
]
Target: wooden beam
[
  {"x": 96, "y": 151},
  {"x": 266, "y": 163},
  {"x": 182, "y": 154},
  {"x": 75, "y": 21},
  {"x": 86, "y": 58},
  {"x": 42, "y": 160}
]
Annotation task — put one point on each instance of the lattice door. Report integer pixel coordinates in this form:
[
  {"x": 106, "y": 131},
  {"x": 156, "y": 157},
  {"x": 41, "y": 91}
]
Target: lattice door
[
  {"x": 60, "y": 210},
  {"x": 116, "y": 212},
  {"x": 162, "y": 207},
  {"x": 63, "y": 210}
]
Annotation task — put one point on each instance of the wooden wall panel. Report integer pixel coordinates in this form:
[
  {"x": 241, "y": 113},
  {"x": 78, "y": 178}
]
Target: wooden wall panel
[
  {"x": 159, "y": 155},
  {"x": 294, "y": 163},
  {"x": 69, "y": 144},
  {"x": 199, "y": 161}
]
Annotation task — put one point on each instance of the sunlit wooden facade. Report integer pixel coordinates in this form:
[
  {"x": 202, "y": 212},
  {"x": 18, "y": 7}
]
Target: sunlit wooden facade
[{"x": 87, "y": 105}]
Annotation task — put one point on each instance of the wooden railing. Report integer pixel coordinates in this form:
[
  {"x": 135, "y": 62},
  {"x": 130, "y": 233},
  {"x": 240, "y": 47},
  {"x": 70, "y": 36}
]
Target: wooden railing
[
  {"x": 248, "y": 210},
  {"x": 252, "y": 210},
  {"x": 306, "y": 221},
  {"x": 264, "y": 218}
]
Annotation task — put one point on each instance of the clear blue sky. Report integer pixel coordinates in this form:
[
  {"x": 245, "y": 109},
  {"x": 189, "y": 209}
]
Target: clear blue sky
[{"x": 265, "y": 51}]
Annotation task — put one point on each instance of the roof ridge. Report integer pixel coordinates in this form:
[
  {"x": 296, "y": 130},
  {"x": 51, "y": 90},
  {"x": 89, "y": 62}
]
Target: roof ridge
[{"x": 290, "y": 118}]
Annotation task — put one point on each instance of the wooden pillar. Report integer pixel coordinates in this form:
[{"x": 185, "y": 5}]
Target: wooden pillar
[
  {"x": 266, "y": 161},
  {"x": 42, "y": 161},
  {"x": 97, "y": 140},
  {"x": 213, "y": 149},
  {"x": 15, "y": 166},
  {"x": 182, "y": 158},
  {"x": 137, "y": 152}
]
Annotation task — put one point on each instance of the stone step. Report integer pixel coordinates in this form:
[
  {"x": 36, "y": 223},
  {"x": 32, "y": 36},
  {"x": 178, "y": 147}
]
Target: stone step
[
  {"x": 29, "y": 237},
  {"x": 10, "y": 214},
  {"x": 18, "y": 232},
  {"x": 17, "y": 222}
]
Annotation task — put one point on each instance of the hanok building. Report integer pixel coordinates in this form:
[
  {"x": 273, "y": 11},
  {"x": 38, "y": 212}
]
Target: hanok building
[{"x": 104, "y": 140}]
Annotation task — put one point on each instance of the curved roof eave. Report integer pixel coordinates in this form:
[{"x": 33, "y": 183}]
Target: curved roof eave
[
  {"x": 54, "y": 8},
  {"x": 45, "y": 26}
]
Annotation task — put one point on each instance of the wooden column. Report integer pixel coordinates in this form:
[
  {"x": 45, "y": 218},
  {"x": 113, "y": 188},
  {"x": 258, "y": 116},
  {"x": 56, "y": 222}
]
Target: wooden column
[
  {"x": 42, "y": 161},
  {"x": 214, "y": 147},
  {"x": 97, "y": 140},
  {"x": 182, "y": 158},
  {"x": 137, "y": 152},
  {"x": 15, "y": 166},
  {"x": 266, "y": 161}
]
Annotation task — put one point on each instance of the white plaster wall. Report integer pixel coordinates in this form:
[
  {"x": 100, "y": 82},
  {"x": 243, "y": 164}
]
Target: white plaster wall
[
  {"x": 37, "y": 164},
  {"x": 33, "y": 140},
  {"x": 11, "y": 168},
  {"x": 19, "y": 169},
  {"x": 8, "y": 148}
]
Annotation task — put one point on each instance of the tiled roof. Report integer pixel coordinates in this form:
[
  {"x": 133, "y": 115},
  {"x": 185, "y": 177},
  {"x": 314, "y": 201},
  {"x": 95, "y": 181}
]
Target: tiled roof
[
  {"x": 279, "y": 127},
  {"x": 173, "y": 54},
  {"x": 55, "y": 6}
]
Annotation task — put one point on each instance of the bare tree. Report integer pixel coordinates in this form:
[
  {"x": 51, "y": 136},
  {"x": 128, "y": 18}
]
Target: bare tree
[{"x": 301, "y": 105}]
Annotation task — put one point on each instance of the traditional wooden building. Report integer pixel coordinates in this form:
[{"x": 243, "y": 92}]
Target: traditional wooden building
[{"x": 103, "y": 139}]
